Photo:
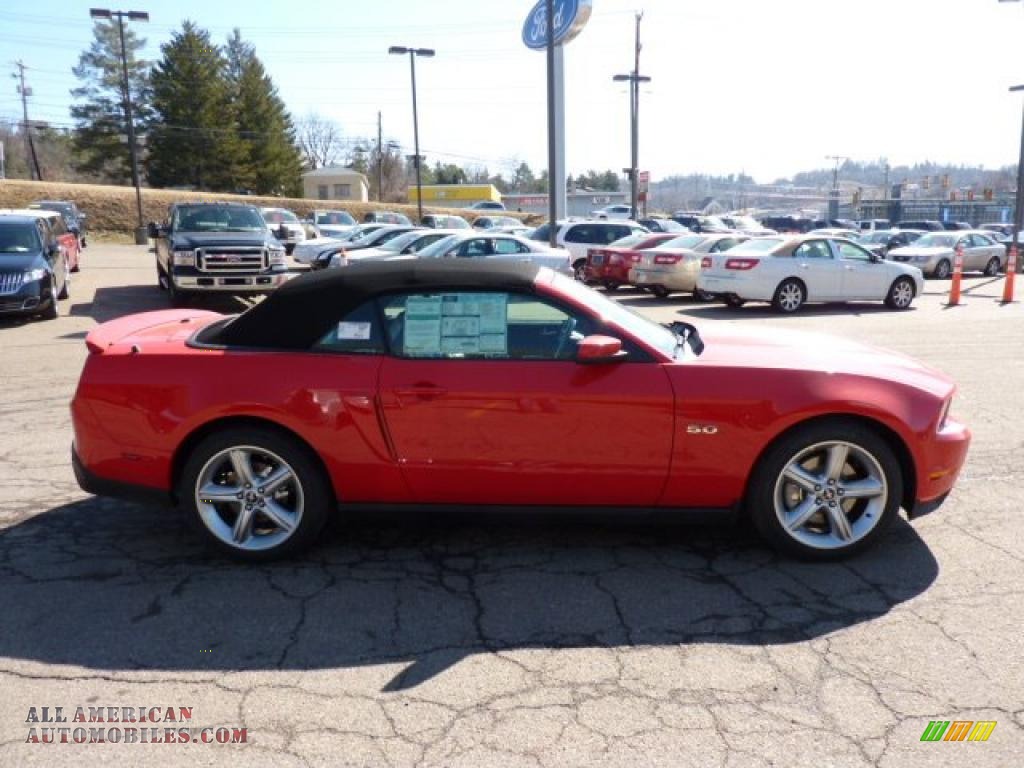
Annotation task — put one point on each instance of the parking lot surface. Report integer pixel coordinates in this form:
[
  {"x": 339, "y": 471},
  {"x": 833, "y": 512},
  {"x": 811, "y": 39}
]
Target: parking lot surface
[{"x": 516, "y": 641}]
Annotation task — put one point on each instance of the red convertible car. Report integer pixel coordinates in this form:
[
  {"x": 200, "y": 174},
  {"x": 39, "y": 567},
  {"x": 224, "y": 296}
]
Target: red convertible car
[{"x": 426, "y": 384}]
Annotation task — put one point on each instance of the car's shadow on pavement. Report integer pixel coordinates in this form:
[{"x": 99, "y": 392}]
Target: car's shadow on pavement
[
  {"x": 112, "y": 302},
  {"x": 111, "y": 586}
]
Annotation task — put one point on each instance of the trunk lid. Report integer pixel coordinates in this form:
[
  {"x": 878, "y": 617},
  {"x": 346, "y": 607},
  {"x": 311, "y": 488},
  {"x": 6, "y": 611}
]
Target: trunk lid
[{"x": 147, "y": 330}]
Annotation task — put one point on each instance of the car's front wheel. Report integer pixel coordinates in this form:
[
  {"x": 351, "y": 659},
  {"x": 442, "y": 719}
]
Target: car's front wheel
[
  {"x": 901, "y": 293},
  {"x": 789, "y": 296},
  {"x": 826, "y": 490},
  {"x": 255, "y": 494}
]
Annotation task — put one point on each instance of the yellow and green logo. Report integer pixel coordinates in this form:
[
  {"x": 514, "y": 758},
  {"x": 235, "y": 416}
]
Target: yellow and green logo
[{"x": 958, "y": 730}]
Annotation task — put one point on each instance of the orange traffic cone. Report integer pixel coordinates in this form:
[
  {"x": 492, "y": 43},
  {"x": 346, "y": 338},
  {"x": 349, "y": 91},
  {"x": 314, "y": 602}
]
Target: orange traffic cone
[
  {"x": 1011, "y": 271},
  {"x": 958, "y": 271}
]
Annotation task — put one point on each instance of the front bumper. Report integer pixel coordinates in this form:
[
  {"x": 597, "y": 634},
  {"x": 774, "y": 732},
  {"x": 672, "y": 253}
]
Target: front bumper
[
  {"x": 260, "y": 283},
  {"x": 28, "y": 299},
  {"x": 943, "y": 457}
]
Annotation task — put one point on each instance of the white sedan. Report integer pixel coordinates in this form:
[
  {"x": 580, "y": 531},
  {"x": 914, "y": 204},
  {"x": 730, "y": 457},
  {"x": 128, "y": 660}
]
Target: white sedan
[
  {"x": 789, "y": 271},
  {"x": 479, "y": 245}
]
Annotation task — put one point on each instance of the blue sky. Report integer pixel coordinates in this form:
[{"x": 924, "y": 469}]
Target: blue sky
[{"x": 766, "y": 87}]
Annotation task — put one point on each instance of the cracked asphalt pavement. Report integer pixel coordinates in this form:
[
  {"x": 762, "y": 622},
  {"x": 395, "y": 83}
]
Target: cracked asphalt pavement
[{"x": 517, "y": 641}]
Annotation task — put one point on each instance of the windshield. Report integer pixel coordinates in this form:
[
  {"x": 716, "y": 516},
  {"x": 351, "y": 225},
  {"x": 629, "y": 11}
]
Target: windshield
[
  {"x": 276, "y": 216},
  {"x": 745, "y": 222},
  {"x": 658, "y": 336},
  {"x": 396, "y": 244},
  {"x": 440, "y": 248},
  {"x": 667, "y": 225},
  {"x": 628, "y": 240},
  {"x": 18, "y": 238},
  {"x": 683, "y": 241},
  {"x": 217, "y": 218},
  {"x": 713, "y": 221},
  {"x": 936, "y": 241},
  {"x": 335, "y": 217},
  {"x": 757, "y": 245},
  {"x": 880, "y": 236}
]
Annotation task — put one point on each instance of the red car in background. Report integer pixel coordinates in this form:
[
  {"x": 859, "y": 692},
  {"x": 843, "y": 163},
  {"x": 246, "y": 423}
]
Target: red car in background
[
  {"x": 426, "y": 383},
  {"x": 609, "y": 265}
]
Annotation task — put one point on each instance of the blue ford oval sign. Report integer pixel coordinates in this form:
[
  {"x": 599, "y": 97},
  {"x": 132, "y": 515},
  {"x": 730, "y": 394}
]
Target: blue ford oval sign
[{"x": 570, "y": 17}]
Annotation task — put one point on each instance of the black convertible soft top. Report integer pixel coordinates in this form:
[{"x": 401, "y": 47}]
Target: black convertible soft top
[{"x": 304, "y": 309}]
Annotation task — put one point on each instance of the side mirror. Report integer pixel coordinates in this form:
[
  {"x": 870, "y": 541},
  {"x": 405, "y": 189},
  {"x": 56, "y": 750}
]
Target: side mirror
[
  {"x": 599, "y": 349},
  {"x": 153, "y": 230},
  {"x": 282, "y": 232},
  {"x": 875, "y": 258},
  {"x": 53, "y": 249}
]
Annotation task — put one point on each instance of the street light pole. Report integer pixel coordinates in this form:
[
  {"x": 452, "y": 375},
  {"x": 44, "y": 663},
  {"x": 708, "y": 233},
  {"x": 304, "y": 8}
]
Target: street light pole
[
  {"x": 103, "y": 13},
  {"x": 1018, "y": 211},
  {"x": 413, "y": 53}
]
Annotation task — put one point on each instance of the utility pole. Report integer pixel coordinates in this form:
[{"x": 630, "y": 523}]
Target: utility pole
[
  {"x": 30, "y": 148},
  {"x": 634, "y": 78},
  {"x": 833, "y": 200},
  {"x": 380, "y": 160}
]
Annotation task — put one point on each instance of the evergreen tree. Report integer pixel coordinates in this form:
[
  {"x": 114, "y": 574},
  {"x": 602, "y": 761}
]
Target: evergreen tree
[
  {"x": 100, "y": 137},
  {"x": 272, "y": 160},
  {"x": 194, "y": 138}
]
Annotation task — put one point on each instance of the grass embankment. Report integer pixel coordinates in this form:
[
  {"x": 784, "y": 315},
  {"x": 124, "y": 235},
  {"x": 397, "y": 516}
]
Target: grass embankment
[{"x": 111, "y": 210}]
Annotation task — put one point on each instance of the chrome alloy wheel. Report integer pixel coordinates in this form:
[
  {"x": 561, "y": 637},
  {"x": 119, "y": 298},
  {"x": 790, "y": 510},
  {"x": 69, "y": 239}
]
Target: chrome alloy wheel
[
  {"x": 791, "y": 297},
  {"x": 902, "y": 294},
  {"x": 249, "y": 498},
  {"x": 830, "y": 495}
]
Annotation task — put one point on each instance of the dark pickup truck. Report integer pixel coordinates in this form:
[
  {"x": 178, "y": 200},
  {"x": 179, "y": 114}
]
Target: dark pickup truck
[{"x": 216, "y": 247}]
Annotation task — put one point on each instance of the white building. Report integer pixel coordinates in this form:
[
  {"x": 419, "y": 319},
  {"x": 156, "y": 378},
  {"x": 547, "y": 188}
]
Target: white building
[{"x": 335, "y": 183}]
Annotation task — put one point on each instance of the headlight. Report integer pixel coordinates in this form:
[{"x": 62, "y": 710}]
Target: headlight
[
  {"x": 35, "y": 274},
  {"x": 944, "y": 414},
  {"x": 920, "y": 259},
  {"x": 184, "y": 258},
  {"x": 276, "y": 256}
]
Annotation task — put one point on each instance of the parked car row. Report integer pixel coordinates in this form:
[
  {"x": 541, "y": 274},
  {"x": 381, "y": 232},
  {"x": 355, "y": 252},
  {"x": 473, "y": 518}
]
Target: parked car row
[{"x": 38, "y": 253}]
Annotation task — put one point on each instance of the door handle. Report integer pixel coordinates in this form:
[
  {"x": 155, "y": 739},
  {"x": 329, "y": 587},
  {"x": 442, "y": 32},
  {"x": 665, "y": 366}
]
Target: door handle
[{"x": 425, "y": 391}]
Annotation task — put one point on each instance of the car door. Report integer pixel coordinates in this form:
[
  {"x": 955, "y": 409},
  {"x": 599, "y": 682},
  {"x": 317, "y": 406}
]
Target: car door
[
  {"x": 981, "y": 249},
  {"x": 819, "y": 269},
  {"x": 509, "y": 250},
  {"x": 485, "y": 404},
  {"x": 862, "y": 277}
]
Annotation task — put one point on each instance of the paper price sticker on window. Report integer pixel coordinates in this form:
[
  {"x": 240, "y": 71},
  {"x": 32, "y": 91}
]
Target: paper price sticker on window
[{"x": 354, "y": 331}]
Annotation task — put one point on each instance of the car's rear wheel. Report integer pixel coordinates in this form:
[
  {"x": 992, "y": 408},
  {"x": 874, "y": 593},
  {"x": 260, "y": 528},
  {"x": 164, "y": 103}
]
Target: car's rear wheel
[
  {"x": 610, "y": 286},
  {"x": 660, "y": 291},
  {"x": 825, "y": 491},
  {"x": 992, "y": 268},
  {"x": 733, "y": 301},
  {"x": 942, "y": 270},
  {"x": 65, "y": 290},
  {"x": 700, "y": 295},
  {"x": 579, "y": 269},
  {"x": 52, "y": 311},
  {"x": 789, "y": 296},
  {"x": 255, "y": 494},
  {"x": 901, "y": 293}
]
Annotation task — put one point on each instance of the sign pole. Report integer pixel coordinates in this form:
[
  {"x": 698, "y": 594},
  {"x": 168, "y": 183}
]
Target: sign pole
[{"x": 552, "y": 128}]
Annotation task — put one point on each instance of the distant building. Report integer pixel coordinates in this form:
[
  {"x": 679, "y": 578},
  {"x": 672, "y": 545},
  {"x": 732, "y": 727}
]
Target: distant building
[
  {"x": 335, "y": 183},
  {"x": 578, "y": 203}
]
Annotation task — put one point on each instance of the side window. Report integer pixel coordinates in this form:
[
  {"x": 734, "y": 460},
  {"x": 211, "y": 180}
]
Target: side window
[
  {"x": 505, "y": 247},
  {"x": 851, "y": 251},
  {"x": 357, "y": 333},
  {"x": 461, "y": 325},
  {"x": 812, "y": 249},
  {"x": 617, "y": 232},
  {"x": 724, "y": 244},
  {"x": 584, "y": 233},
  {"x": 980, "y": 241},
  {"x": 478, "y": 246}
]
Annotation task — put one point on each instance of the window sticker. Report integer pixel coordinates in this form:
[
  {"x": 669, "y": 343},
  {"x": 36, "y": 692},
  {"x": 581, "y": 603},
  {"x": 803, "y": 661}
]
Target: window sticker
[
  {"x": 457, "y": 324},
  {"x": 354, "y": 331}
]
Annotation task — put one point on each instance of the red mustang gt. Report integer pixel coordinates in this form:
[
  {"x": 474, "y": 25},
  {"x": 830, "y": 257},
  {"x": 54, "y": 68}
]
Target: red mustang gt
[{"x": 447, "y": 383}]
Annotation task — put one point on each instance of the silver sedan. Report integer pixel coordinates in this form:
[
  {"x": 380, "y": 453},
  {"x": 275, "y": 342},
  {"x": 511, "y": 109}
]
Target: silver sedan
[{"x": 934, "y": 252}]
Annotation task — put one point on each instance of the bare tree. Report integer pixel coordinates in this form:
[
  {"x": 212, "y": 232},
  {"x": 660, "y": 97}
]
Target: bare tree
[{"x": 319, "y": 139}]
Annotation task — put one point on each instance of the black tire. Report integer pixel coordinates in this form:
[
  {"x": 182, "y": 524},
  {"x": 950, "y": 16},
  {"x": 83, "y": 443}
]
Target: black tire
[
  {"x": 732, "y": 301},
  {"x": 161, "y": 278},
  {"x": 789, "y": 296},
  {"x": 660, "y": 291},
  {"x": 992, "y": 267},
  {"x": 65, "y": 290},
  {"x": 611, "y": 287},
  {"x": 314, "y": 489},
  {"x": 763, "y": 493},
  {"x": 178, "y": 297},
  {"x": 52, "y": 311},
  {"x": 942, "y": 270},
  {"x": 703, "y": 296},
  {"x": 896, "y": 298},
  {"x": 578, "y": 269},
  {"x": 289, "y": 248}
]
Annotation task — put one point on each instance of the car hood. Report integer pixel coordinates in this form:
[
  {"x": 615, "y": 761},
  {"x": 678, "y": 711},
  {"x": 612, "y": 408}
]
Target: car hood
[
  {"x": 911, "y": 250},
  {"x": 20, "y": 262},
  {"x": 189, "y": 240},
  {"x": 819, "y": 352}
]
